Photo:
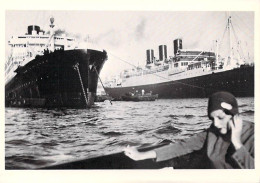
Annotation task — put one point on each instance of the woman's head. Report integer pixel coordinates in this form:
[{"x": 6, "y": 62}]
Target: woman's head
[{"x": 222, "y": 106}]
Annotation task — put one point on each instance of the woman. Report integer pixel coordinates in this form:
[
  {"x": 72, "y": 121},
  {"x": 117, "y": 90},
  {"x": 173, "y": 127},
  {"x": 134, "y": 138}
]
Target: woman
[{"x": 227, "y": 143}]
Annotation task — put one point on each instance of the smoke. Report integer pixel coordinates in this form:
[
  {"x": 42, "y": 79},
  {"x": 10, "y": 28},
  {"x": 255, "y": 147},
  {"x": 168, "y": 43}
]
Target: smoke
[
  {"x": 111, "y": 37},
  {"x": 59, "y": 32},
  {"x": 191, "y": 45},
  {"x": 124, "y": 35},
  {"x": 139, "y": 30}
]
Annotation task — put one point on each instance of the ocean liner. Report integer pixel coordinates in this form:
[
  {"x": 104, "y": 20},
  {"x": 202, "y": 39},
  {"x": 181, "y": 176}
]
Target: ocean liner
[
  {"x": 51, "y": 70},
  {"x": 187, "y": 74}
]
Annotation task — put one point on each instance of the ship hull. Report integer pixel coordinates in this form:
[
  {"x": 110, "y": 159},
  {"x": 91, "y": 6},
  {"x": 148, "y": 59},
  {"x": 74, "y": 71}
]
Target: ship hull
[
  {"x": 59, "y": 79},
  {"x": 121, "y": 161},
  {"x": 239, "y": 81}
]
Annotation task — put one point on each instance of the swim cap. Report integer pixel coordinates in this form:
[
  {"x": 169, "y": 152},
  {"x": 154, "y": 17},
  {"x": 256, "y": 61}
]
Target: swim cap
[{"x": 224, "y": 101}]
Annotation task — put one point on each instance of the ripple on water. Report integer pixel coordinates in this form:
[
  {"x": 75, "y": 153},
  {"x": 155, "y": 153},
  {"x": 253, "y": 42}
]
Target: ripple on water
[
  {"x": 18, "y": 142},
  {"x": 168, "y": 129},
  {"x": 112, "y": 133}
]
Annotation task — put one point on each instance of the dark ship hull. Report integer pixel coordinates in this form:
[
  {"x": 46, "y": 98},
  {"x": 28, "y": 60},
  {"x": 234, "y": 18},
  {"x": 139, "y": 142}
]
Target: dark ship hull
[
  {"x": 59, "y": 79},
  {"x": 239, "y": 81}
]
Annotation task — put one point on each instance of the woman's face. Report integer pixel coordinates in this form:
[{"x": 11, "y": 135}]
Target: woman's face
[{"x": 221, "y": 120}]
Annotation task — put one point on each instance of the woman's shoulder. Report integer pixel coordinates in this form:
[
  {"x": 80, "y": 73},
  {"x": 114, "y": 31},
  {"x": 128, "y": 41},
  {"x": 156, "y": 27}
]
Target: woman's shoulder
[
  {"x": 248, "y": 125},
  {"x": 248, "y": 130}
]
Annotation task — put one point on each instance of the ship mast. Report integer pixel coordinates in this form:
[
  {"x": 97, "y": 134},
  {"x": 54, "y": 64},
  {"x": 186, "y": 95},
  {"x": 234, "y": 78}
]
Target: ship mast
[
  {"x": 52, "y": 34},
  {"x": 217, "y": 52},
  {"x": 230, "y": 57}
]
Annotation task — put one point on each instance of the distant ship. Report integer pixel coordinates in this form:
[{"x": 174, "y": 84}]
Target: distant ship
[
  {"x": 188, "y": 74},
  {"x": 49, "y": 70}
]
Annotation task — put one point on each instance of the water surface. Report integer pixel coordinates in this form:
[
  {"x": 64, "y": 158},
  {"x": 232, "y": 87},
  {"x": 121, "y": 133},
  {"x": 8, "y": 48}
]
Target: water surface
[{"x": 41, "y": 137}]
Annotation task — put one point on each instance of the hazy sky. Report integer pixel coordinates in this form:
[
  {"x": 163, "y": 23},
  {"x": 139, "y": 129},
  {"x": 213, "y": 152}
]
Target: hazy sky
[{"x": 126, "y": 35}]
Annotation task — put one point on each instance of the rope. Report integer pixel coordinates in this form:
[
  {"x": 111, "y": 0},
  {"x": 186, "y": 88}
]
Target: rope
[
  {"x": 238, "y": 42},
  {"x": 245, "y": 28},
  {"x": 220, "y": 44},
  {"x": 101, "y": 83},
  {"x": 81, "y": 83}
]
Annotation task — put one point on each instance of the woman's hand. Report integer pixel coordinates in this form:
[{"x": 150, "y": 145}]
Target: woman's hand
[
  {"x": 134, "y": 154},
  {"x": 236, "y": 131}
]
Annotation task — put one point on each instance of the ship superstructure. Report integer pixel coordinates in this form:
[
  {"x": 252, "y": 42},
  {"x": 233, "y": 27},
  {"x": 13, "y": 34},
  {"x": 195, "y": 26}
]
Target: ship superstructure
[{"x": 25, "y": 48}]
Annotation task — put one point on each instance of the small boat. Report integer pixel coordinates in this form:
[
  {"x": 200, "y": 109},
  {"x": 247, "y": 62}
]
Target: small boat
[
  {"x": 121, "y": 161},
  {"x": 102, "y": 98},
  {"x": 139, "y": 97}
]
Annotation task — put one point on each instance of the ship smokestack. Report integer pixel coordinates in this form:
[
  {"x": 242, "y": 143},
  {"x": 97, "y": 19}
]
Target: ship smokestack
[
  {"x": 33, "y": 29},
  {"x": 162, "y": 52},
  {"x": 149, "y": 56},
  {"x": 177, "y": 44}
]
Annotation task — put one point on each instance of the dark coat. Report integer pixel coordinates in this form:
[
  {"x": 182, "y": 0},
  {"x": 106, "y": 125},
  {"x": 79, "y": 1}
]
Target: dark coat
[{"x": 213, "y": 150}]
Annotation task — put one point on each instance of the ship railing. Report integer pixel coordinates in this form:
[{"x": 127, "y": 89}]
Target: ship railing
[{"x": 145, "y": 72}]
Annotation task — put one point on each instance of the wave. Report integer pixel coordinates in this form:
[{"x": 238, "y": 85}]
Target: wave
[
  {"x": 10, "y": 124},
  {"x": 64, "y": 126},
  {"x": 248, "y": 112},
  {"x": 190, "y": 107},
  {"x": 199, "y": 123},
  {"x": 109, "y": 119},
  {"x": 18, "y": 142},
  {"x": 48, "y": 144},
  {"x": 26, "y": 162},
  {"x": 96, "y": 119},
  {"x": 181, "y": 123},
  {"x": 173, "y": 116},
  {"x": 188, "y": 116},
  {"x": 180, "y": 116},
  {"x": 112, "y": 143},
  {"x": 167, "y": 122},
  {"x": 119, "y": 118},
  {"x": 112, "y": 133},
  {"x": 45, "y": 135},
  {"x": 83, "y": 145},
  {"x": 165, "y": 141},
  {"x": 195, "y": 130},
  {"x": 141, "y": 131},
  {"x": 168, "y": 129},
  {"x": 67, "y": 141},
  {"x": 126, "y": 143},
  {"x": 90, "y": 124}
]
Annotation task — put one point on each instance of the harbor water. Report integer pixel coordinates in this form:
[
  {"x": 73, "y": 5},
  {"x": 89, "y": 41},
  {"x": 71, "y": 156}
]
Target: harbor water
[{"x": 40, "y": 137}]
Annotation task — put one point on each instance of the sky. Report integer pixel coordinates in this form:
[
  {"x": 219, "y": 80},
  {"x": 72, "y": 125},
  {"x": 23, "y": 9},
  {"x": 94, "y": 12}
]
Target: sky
[{"x": 126, "y": 35}]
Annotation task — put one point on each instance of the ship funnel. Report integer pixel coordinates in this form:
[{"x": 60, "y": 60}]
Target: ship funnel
[
  {"x": 33, "y": 29},
  {"x": 177, "y": 44},
  {"x": 162, "y": 52},
  {"x": 149, "y": 56}
]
